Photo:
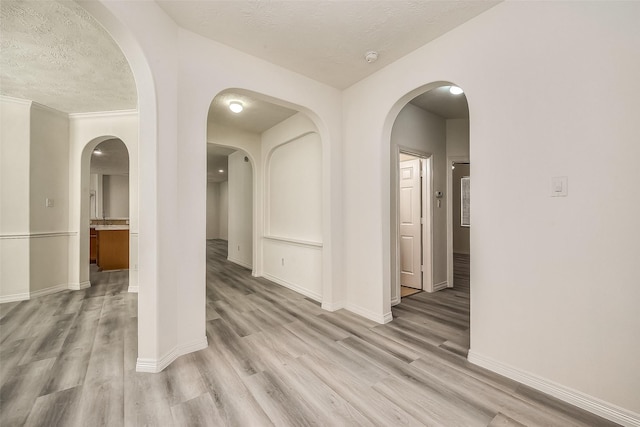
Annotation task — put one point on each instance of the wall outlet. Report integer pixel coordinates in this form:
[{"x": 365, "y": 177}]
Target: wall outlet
[{"x": 48, "y": 203}]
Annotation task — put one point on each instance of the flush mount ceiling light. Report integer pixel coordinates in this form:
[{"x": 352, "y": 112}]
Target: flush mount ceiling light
[
  {"x": 97, "y": 151},
  {"x": 455, "y": 90},
  {"x": 236, "y": 106},
  {"x": 371, "y": 56},
  {"x": 221, "y": 170}
]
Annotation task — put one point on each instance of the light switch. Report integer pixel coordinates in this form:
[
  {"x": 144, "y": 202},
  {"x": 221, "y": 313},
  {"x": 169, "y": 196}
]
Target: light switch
[
  {"x": 559, "y": 186},
  {"x": 48, "y": 202}
]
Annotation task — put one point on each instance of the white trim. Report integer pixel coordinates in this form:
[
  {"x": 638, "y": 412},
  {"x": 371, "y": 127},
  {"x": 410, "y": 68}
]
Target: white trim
[
  {"x": 294, "y": 241},
  {"x": 13, "y": 100},
  {"x": 103, "y": 114},
  {"x": 240, "y": 263},
  {"x": 24, "y": 296},
  {"x": 154, "y": 366},
  {"x": 79, "y": 286},
  {"x": 440, "y": 286},
  {"x": 396, "y": 300},
  {"x": 307, "y": 293},
  {"x": 47, "y": 291},
  {"x": 48, "y": 109},
  {"x": 38, "y": 235},
  {"x": 133, "y": 289},
  {"x": 333, "y": 306},
  {"x": 577, "y": 398},
  {"x": 368, "y": 314}
]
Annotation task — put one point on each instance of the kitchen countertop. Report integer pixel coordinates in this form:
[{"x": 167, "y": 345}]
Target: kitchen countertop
[{"x": 110, "y": 227}]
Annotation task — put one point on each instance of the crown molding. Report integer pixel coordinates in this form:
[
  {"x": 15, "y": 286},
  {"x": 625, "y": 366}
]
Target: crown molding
[
  {"x": 11, "y": 99},
  {"x": 103, "y": 114}
]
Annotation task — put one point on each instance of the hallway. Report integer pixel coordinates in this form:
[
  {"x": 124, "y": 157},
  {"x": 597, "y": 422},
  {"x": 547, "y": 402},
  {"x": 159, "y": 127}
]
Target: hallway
[{"x": 274, "y": 358}]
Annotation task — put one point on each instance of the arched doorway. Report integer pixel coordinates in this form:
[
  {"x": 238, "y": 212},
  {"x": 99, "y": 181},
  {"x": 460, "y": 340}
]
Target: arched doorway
[
  {"x": 109, "y": 202},
  {"x": 282, "y": 147},
  {"x": 429, "y": 234}
]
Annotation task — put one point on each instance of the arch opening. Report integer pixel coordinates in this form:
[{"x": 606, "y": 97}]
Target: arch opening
[
  {"x": 286, "y": 244},
  {"x": 428, "y": 244}
]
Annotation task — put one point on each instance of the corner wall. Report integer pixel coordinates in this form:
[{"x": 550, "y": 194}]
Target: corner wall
[
  {"x": 240, "y": 217},
  {"x": 15, "y": 233},
  {"x": 292, "y": 242},
  {"x": 554, "y": 296}
]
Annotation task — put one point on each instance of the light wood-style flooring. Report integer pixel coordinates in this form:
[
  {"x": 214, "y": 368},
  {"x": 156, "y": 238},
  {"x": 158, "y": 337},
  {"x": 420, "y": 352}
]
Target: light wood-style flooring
[{"x": 274, "y": 358}]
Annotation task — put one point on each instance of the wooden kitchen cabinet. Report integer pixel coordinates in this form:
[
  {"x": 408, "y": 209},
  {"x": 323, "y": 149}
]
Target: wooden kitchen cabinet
[
  {"x": 93, "y": 246},
  {"x": 113, "y": 249}
]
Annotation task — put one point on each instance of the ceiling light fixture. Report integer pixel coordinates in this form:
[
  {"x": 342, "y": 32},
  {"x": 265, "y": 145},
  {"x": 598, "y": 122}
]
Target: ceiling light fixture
[
  {"x": 236, "y": 106},
  {"x": 455, "y": 90},
  {"x": 221, "y": 170},
  {"x": 97, "y": 151}
]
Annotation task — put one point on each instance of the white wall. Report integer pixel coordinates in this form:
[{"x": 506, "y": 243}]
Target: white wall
[
  {"x": 34, "y": 238},
  {"x": 554, "y": 296},
  {"x": 15, "y": 119},
  {"x": 213, "y": 210},
  {"x": 86, "y": 131},
  {"x": 512, "y": 85},
  {"x": 292, "y": 244},
  {"x": 49, "y": 166},
  {"x": 240, "y": 193},
  {"x": 116, "y": 196},
  {"x": 223, "y": 211},
  {"x": 425, "y": 133},
  {"x": 294, "y": 184}
]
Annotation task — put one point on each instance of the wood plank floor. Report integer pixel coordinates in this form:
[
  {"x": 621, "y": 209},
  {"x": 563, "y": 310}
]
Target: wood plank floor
[{"x": 274, "y": 358}]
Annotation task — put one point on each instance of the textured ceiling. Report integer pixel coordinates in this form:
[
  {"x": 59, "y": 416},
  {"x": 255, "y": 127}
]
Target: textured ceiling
[
  {"x": 56, "y": 54},
  {"x": 256, "y": 117},
  {"x": 114, "y": 159},
  {"x": 441, "y": 102},
  {"x": 324, "y": 40}
]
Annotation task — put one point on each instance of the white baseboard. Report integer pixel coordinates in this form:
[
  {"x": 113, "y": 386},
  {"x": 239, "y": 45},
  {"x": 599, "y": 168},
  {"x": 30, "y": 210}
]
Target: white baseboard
[
  {"x": 133, "y": 289},
  {"x": 589, "y": 403},
  {"x": 440, "y": 286},
  {"x": 332, "y": 306},
  {"x": 307, "y": 293},
  {"x": 79, "y": 286},
  {"x": 14, "y": 297},
  {"x": 368, "y": 314},
  {"x": 154, "y": 366},
  {"x": 48, "y": 291},
  {"x": 239, "y": 262},
  {"x": 395, "y": 300}
]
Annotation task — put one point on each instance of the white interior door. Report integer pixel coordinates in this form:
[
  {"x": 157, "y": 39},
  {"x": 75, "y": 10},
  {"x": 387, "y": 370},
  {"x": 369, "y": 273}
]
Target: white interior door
[{"x": 410, "y": 227}]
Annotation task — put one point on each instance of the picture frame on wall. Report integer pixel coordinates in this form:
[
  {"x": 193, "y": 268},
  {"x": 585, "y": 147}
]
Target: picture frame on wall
[{"x": 465, "y": 201}]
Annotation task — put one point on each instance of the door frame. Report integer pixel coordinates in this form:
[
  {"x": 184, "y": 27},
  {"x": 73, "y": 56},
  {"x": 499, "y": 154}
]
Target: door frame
[
  {"x": 426, "y": 170},
  {"x": 450, "y": 161}
]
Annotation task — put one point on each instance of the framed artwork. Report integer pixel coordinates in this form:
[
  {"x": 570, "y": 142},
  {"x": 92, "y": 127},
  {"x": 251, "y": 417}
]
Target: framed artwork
[{"x": 465, "y": 199}]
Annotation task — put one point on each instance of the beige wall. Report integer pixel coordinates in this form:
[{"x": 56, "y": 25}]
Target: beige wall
[
  {"x": 34, "y": 237},
  {"x": 240, "y": 222},
  {"x": 213, "y": 210},
  {"x": 460, "y": 234},
  {"x": 417, "y": 129},
  {"x": 15, "y": 118}
]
